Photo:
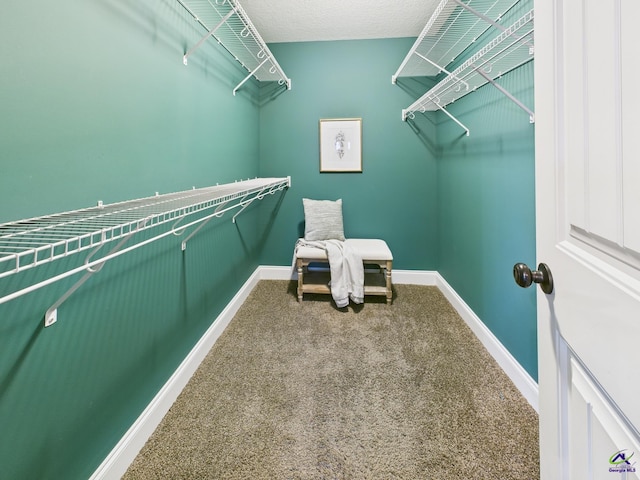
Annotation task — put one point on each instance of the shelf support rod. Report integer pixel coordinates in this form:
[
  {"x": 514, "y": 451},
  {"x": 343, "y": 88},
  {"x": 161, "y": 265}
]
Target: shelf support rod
[
  {"x": 479, "y": 15},
  {"x": 204, "y": 39},
  {"x": 245, "y": 204},
  {"x": 488, "y": 20},
  {"x": 442, "y": 69},
  {"x": 51, "y": 315},
  {"x": 223, "y": 208},
  {"x": 508, "y": 95},
  {"x": 183, "y": 245},
  {"x": 216, "y": 214},
  {"x": 452, "y": 117},
  {"x": 250, "y": 75},
  {"x": 420, "y": 38}
]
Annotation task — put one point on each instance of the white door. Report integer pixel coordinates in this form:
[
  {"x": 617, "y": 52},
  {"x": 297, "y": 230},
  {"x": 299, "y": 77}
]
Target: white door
[{"x": 588, "y": 233}]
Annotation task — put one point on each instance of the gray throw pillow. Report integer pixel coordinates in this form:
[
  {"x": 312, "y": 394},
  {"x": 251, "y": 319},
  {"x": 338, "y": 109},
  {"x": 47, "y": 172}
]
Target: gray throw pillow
[{"x": 323, "y": 220}]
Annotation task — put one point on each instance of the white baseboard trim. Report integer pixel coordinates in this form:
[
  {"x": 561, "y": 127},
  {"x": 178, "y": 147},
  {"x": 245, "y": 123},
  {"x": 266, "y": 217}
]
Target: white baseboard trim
[
  {"x": 415, "y": 277},
  {"x": 277, "y": 273},
  {"x": 126, "y": 450}
]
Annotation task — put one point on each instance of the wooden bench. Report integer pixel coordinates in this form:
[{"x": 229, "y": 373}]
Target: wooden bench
[{"x": 374, "y": 252}]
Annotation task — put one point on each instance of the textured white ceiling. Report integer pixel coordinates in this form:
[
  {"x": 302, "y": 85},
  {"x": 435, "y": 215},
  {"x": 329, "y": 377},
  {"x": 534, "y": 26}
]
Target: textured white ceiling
[{"x": 317, "y": 20}]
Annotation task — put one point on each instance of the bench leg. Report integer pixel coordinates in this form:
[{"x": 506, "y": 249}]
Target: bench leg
[
  {"x": 300, "y": 269},
  {"x": 388, "y": 282}
]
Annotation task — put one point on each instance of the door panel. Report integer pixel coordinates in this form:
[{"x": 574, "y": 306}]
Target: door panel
[
  {"x": 588, "y": 232},
  {"x": 596, "y": 432}
]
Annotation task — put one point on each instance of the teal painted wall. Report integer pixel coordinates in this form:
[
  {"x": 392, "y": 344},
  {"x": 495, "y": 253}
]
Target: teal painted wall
[
  {"x": 461, "y": 205},
  {"x": 486, "y": 210},
  {"x": 486, "y": 213},
  {"x": 97, "y": 105},
  {"x": 395, "y": 196}
]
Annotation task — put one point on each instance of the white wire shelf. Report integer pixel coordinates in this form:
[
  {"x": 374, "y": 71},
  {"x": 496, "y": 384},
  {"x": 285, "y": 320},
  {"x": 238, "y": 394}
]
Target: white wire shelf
[
  {"x": 509, "y": 50},
  {"x": 29, "y": 243},
  {"x": 452, "y": 28},
  {"x": 227, "y": 21}
]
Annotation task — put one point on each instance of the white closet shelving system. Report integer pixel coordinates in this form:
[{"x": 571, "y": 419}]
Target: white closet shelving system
[
  {"x": 454, "y": 26},
  {"x": 26, "y": 244},
  {"x": 230, "y": 25}
]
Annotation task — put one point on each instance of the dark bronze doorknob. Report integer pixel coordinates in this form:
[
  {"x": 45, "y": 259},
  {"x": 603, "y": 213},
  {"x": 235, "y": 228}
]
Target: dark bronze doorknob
[{"x": 524, "y": 277}]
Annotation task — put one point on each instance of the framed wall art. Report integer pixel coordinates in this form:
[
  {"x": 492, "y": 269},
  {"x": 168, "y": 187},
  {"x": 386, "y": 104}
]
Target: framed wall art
[{"x": 341, "y": 145}]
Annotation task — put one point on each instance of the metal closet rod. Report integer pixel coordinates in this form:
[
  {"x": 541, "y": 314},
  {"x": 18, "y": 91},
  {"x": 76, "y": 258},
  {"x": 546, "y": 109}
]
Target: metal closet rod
[{"x": 243, "y": 200}]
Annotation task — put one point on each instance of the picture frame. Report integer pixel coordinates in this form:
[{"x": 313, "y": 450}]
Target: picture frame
[{"x": 340, "y": 144}]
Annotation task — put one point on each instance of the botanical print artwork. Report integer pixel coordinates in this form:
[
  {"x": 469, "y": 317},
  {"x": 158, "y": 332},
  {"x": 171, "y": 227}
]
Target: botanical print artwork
[{"x": 340, "y": 144}]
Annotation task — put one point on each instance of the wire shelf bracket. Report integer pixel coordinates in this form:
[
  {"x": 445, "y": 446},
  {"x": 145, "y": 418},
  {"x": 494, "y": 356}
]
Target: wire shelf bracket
[
  {"x": 185, "y": 58},
  {"x": 233, "y": 29},
  {"x": 218, "y": 212},
  {"x": 51, "y": 315},
  {"x": 27, "y": 244},
  {"x": 252, "y": 73},
  {"x": 509, "y": 50},
  {"x": 463, "y": 126},
  {"x": 532, "y": 117}
]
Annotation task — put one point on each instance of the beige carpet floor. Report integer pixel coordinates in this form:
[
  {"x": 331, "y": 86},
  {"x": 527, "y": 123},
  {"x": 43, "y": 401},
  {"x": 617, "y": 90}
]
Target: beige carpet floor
[{"x": 307, "y": 391}]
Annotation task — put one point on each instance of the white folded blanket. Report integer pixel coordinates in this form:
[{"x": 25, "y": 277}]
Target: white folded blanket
[{"x": 347, "y": 271}]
